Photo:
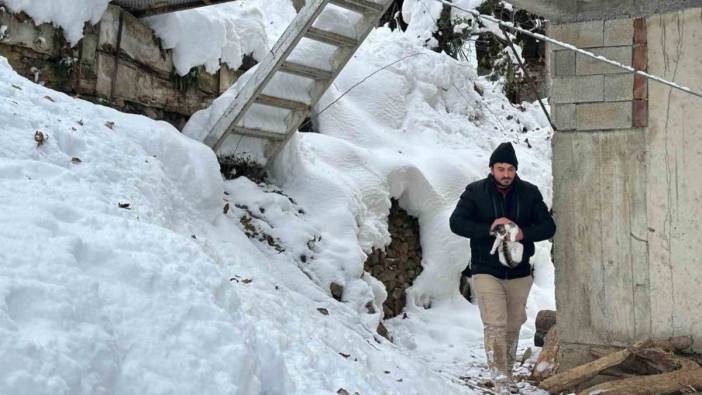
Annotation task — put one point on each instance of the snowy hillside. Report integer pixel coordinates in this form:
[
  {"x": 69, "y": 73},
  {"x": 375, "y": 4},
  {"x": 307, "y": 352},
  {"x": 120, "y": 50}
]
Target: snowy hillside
[{"x": 126, "y": 262}]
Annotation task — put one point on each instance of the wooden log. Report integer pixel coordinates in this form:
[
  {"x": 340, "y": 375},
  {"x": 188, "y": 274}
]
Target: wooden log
[
  {"x": 582, "y": 373},
  {"x": 665, "y": 383},
  {"x": 663, "y": 361},
  {"x": 547, "y": 362},
  {"x": 673, "y": 344},
  {"x": 647, "y": 361},
  {"x": 601, "y": 351}
]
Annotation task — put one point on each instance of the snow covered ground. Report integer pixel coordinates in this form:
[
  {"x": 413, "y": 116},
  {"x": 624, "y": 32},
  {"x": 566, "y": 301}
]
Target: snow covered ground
[{"x": 126, "y": 262}]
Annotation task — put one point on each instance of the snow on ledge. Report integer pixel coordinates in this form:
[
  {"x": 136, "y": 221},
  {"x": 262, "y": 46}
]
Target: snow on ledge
[{"x": 70, "y": 15}]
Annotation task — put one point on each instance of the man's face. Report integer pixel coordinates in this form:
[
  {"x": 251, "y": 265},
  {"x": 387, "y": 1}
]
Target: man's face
[{"x": 504, "y": 174}]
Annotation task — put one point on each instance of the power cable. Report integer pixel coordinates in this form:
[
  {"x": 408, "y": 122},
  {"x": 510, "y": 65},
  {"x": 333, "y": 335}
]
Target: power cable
[{"x": 477, "y": 14}]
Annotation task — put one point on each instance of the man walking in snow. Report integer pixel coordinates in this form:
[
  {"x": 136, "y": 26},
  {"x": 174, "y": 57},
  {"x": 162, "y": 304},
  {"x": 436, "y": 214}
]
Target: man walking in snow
[{"x": 501, "y": 286}]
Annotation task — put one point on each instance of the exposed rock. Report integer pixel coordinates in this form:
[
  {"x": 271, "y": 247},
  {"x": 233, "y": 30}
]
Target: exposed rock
[
  {"x": 337, "y": 291},
  {"x": 383, "y": 331},
  {"x": 545, "y": 319},
  {"x": 399, "y": 265}
]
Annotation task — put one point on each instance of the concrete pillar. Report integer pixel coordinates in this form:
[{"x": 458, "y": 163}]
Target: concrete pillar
[{"x": 627, "y": 199}]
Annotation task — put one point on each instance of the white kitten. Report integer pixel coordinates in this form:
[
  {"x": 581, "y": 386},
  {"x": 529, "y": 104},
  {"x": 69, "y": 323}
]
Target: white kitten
[{"x": 510, "y": 251}]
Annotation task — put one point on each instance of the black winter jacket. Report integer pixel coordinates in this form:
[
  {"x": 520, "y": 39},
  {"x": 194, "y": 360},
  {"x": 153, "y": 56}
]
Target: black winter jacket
[{"x": 481, "y": 203}]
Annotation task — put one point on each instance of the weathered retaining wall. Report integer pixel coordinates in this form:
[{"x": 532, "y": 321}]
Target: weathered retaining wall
[
  {"x": 401, "y": 261},
  {"x": 118, "y": 62},
  {"x": 627, "y": 199},
  {"x": 37, "y": 52}
]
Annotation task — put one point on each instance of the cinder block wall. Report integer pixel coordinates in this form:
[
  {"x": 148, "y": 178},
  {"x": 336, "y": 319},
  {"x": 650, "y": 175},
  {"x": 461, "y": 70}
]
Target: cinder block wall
[
  {"x": 588, "y": 94},
  {"x": 627, "y": 196}
]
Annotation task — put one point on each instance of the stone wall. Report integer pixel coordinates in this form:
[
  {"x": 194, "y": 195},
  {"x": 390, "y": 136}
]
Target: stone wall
[
  {"x": 401, "y": 261},
  {"x": 119, "y": 62},
  {"x": 37, "y": 52},
  {"x": 626, "y": 199}
]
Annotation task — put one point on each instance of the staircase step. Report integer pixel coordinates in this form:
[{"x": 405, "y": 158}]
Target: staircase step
[
  {"x": 259, "y": 133},
  {"x": 281, "y": 103},
  {"x": 360, "y": 6},
  {"x": 305, "y": 71},
  {"x": 331, "y": 38}
]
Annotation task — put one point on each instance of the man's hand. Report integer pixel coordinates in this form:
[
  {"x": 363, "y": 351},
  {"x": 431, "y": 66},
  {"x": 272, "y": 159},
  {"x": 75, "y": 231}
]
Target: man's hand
[
  {"x": 500, "y": 221},
  {"x": 504, "y": 221}
]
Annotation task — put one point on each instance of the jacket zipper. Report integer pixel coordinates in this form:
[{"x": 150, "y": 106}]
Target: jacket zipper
[
  {"x": 517, "y": 218},
  {"x": 502, "y": 207}
]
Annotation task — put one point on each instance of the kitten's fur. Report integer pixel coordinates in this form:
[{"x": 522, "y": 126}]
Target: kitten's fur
[{"x": 509, "y": 250}]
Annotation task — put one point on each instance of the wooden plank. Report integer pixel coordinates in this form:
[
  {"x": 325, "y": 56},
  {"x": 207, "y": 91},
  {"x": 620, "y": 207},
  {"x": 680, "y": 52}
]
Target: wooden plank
[
  {"x": 295, "y": 119},
  {"x": 259, "y": 133},
  {"x": 344, "y": 54},
  {"x": 305, "y": 71},
  {"x": 547, "y": 362},
  {"x": 360, "y": 6},
  {"x": 164, "y": 7},
  {"x": 341, "y": 58},
  {"x": 331, "y": 38},
  {"x": 281, "y": 103},
  {"x": 280, "y": 51}
]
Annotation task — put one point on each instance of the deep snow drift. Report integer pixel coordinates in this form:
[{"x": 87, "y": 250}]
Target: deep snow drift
[
  {"x": 417, "y": 131},
  {"x": 127, "y": 266},
  {"x": 165, "y": 295}
]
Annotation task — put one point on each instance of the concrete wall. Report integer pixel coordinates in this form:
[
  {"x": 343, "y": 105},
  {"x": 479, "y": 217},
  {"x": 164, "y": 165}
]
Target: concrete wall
[
  {"x": 627, "y": 199},
  {"x": 674, "y": 189}
]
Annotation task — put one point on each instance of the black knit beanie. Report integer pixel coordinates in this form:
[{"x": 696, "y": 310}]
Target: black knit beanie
[{"x": 504, "y": 153}]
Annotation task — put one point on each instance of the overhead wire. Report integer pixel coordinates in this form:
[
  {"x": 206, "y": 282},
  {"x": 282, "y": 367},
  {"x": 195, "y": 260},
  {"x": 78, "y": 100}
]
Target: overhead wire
[
  {"x": 316, "y": 115},
  {"x": 503, "y": 25},
  {"x": 506, "y": 25}
]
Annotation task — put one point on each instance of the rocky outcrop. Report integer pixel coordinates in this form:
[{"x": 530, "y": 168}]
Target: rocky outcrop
[{"x": 400, "y": 263}]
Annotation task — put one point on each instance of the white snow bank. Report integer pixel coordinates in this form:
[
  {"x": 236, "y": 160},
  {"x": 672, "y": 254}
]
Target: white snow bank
[
  {"x": 222, "y": 33},
  {"x": 418, "y": 131},
  {"x": 166, "y": 295},
  {"x": 70, "y": 15}
]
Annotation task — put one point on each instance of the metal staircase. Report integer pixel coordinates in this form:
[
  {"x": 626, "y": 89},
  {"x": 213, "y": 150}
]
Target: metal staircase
[{"x": 278, "y": 97}]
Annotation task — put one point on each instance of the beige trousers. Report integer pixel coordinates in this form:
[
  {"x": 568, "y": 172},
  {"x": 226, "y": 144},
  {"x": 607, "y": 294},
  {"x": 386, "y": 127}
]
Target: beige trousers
[{"x": 502, "y": 306}]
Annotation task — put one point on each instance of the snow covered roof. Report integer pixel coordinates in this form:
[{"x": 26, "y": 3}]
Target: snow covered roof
[{"x": 153, "y": 7}]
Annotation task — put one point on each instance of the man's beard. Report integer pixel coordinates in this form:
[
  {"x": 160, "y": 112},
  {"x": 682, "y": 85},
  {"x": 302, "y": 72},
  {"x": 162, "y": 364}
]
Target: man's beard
[{"x": 505, "y": 182}]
